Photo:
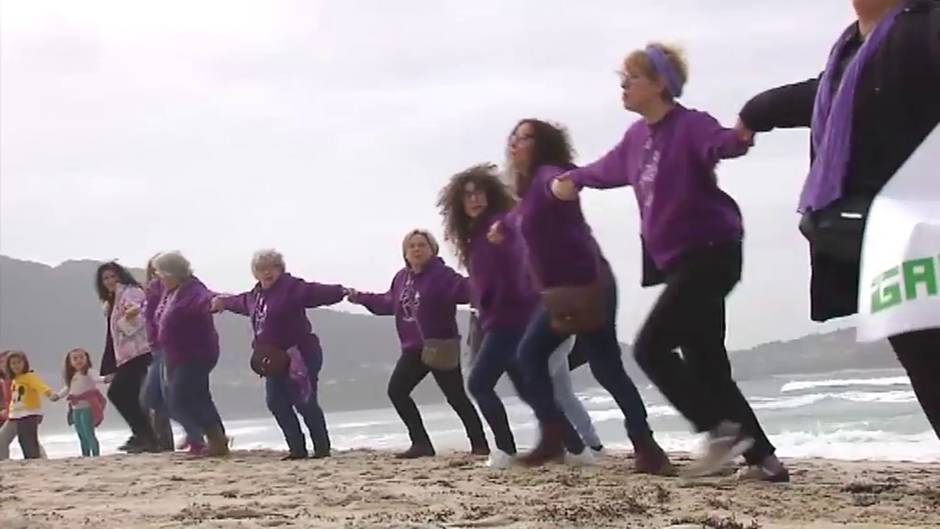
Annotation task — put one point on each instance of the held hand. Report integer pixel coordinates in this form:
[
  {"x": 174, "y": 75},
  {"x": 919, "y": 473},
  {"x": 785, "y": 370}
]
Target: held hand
[
  {"x": 564, "y": 189},
  {"x": 495, "y": 235},
  {"x": 131, "y": 311},
  {"x": 53, "y": 397},
  {"x": 352, "y": 295},
  {"x": 745, "y": 134},
  {"x": 217, "y": 305},
  {"x": 107, "y": 378}
]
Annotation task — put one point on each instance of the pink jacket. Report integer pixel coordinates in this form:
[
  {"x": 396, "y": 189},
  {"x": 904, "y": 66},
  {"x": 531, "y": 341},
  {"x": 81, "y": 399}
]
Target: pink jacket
[{"x": 129, "y": 335}]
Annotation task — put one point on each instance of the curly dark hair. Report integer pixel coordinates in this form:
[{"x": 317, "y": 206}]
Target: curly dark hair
[
  {"x": 458, "y": 227},
  {"x": 552, "y": 147},
  {"x": 124, "y": 278}
]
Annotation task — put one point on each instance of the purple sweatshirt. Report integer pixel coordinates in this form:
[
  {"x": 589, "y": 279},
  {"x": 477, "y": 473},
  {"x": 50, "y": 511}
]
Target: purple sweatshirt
[
  {"x": 154, "y": 293},
  {"x": 279, "y": 313},
  {"x": 671, "y": 166},
  {"x": 561, "y": 251},
  {"x": 501, "y": 290},
  {"x": 424, "y": 304},
  {"x": 185, "y": 329}
]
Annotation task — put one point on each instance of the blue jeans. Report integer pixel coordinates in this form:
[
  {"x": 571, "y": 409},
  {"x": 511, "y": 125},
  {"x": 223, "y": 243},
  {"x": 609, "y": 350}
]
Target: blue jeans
[
  {"x": 153, "y": 396},
  {"x": 191, "y": 402},
  {"x": 279, "y": 395},
  {"x": 604, "y": 357},
  {"x": 497, "y": 355}
]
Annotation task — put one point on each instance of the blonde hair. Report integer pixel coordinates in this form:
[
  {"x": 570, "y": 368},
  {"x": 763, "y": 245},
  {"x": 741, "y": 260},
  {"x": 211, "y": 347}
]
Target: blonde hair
[
  {"x": 638, "y": 61},
  {"x": 432, "y": 242},
  {"x": 173, "y": 264}
]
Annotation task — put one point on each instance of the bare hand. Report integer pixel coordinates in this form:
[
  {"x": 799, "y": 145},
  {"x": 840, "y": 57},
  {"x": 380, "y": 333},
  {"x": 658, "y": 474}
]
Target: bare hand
[
  {"x": 745, "y": 134},
  {"x": 217, "y": 305},
  {"x": 53, "y": 397},
  {"x": 107, "y": 379},
  {"x": 131, "y": 311},
  {"x": 564, "y": 189},
  {"x": 495, "y": 235},
  {"x": 352, "y": 295}
]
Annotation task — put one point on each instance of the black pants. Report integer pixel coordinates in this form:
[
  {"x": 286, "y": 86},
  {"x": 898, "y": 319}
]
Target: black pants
[
  {"x": 125, "y": 394},
  {"x": 690, "y": 315},
  {"x": 27, "y": 432},
  {"x": 919, "y": 353},
  {"x": 408, "y": 373}
]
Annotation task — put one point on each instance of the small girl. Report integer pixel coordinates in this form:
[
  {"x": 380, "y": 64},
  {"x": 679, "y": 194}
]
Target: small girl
[
  {"x": 86, "y": 403},
  {"x": 25, "y": 409}
]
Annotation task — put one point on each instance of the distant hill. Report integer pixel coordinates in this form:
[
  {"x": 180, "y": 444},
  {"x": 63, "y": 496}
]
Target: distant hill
[{"x": 47, "y": 310}]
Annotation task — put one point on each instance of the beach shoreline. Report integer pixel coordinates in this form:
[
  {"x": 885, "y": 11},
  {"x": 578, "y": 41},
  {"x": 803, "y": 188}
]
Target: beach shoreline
[{"x": 371, "y": 489}]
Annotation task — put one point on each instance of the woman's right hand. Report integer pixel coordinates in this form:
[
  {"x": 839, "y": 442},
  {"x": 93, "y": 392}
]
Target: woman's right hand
[
  {"x": 217, "y": 305},
  {"x": 495, "y": 235}
]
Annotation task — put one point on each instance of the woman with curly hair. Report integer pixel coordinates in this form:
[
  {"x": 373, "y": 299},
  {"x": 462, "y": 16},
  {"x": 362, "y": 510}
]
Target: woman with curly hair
[
  {"x": 501, "y": 291},
  {"x": 579, "y": 293}
]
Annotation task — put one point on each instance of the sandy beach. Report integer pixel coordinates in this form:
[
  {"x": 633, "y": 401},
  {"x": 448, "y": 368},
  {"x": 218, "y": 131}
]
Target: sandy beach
[{"x": 370, "y": 489}]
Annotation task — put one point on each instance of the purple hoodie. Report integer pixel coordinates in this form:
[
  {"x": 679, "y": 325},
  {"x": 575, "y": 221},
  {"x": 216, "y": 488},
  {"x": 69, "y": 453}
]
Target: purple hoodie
[
  {"x": 185, "y": 329},
  {"x": 502, "y": 291},
  {"x": 561, "y": 251},
  {"x": 279, "y": 314},
  {"x": 424, "y": 304},
  {"x": 671, "y": 166},
  {"x": 154, "y": 293}
]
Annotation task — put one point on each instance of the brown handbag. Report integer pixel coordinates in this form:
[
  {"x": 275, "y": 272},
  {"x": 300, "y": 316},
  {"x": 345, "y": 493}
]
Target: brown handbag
[
  {"x": 575, "y": 309},
  {"x": 441, "y": 354},
  {"x": 268, "y": 361}
]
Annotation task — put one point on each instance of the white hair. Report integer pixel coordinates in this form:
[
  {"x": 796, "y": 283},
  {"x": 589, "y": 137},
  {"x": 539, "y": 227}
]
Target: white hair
[
  {"x": 267, "y": 257},
  {"x": 172, "y": 264}
]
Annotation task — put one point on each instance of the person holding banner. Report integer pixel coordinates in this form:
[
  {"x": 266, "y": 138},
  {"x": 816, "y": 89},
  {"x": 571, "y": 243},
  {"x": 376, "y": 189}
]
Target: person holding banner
[{"x": 870, "y": 109}]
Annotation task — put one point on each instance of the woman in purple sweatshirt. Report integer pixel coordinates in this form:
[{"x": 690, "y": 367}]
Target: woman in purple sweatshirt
[
  {"x": 562, "y": 252},
  {"x": 190, "y": 343},
  {"x": 502, "y": 293},
  {"x": 691, "y": 233},
  {"x": 423, "y": 298},
  {"x": 277, "y": 307}
]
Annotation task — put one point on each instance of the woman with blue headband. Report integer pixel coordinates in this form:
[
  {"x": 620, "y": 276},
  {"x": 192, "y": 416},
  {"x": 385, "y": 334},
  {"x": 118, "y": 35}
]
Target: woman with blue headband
[{"x": 691, "y": 234}]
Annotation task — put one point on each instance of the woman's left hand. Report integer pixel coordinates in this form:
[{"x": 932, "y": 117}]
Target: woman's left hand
[
  {"x": 564, "y": 189},
  {"x": 131, "y": 311}
]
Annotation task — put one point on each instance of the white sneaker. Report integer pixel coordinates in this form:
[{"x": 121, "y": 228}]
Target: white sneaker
[
  {"x": 584, "y": 459},
  {"x": 599, "y": 452},
  {"x": 723, "y": 444},
  {"x": 500, "y": 460}
]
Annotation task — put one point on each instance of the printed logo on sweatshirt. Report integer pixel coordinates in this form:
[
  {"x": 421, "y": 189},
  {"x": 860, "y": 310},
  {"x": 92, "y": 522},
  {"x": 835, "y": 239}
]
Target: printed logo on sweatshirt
[
  {"x": 260, "y": 315},
  {"x": 646, "y": 181},
  {"x": 410, "y": 300}
]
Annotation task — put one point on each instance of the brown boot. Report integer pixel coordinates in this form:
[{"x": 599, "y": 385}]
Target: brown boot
[
  {"x": 218, "y": 443},
  {"x": 551, "y": 446},
  {"x": 649, "y": 458}
]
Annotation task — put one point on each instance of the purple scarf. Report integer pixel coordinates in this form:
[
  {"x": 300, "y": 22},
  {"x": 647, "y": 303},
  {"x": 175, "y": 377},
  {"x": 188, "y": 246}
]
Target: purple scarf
[{"x": 832, "y": 117}]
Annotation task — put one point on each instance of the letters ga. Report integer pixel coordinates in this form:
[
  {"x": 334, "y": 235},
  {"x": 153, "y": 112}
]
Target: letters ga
[{"x": 904, "y": 283}]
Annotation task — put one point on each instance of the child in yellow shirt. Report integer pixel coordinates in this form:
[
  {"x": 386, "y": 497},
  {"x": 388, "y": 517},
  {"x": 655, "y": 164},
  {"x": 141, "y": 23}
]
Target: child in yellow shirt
[{"x": 25, "y": 408}]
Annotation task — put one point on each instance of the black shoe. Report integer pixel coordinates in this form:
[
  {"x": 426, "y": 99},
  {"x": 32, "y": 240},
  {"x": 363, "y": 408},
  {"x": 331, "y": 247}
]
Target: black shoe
[
  {"x": 323, "y": 454},
  {"x": 131, "y": 442},
  {"x": 144, "y": 445},
  {"x": 482, "y": 450},
  {"x": 416, "y": 451},
  {"x": 293, "y": 457}
]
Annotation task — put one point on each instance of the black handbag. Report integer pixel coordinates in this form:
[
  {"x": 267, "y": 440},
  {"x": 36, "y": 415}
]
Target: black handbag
[{"x": 837, "y": 230}]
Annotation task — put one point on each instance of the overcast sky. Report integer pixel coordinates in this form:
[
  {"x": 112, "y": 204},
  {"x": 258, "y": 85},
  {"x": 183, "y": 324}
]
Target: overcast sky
[{"x": 326, "y": 129}]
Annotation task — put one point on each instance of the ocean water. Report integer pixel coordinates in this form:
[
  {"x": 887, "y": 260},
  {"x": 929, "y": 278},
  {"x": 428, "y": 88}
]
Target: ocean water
[{"x": 851, "y": 415}]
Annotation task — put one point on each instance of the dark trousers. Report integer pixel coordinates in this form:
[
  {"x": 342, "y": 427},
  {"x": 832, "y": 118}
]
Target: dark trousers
[
  {"x": 153, "y": 397},
  {"x": 603, "y": 355},
  {"x": 27, "y": 432},
  {"x": 919, "y": 353},
  {"x": 190, "y": 400},
  {"x": 408, "y": 373},
  {"x": 497, "y": 355},
  {"x": 279, "y": 395},
  {"x": 690, "y": 315},
  {"x": 125, "y": 394}
]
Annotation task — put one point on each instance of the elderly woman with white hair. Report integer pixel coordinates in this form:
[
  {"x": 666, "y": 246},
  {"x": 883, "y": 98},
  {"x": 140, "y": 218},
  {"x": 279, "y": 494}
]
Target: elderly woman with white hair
[
  {"x": 186, "y": 332},
  {"x": 423, "y": 298},
  {"x": 277, "y": 307}
]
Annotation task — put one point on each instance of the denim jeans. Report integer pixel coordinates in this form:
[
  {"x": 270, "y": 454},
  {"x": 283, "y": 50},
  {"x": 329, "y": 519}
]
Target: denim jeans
[
  {"x": 604, "y": 358},
  {"x": 282, "y": 403},
  {"x": 190, "y": 400},
  {"x": 497, "y": 355}
]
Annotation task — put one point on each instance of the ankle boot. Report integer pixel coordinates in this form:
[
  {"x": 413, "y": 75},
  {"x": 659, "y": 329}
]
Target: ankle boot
[
  {"x": 218, "y": 443},
  {"x": 551, "y": 445},
  {"x": 649, "y": 457}
]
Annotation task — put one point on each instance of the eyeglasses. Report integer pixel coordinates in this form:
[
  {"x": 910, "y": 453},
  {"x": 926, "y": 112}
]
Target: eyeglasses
[
  {"x": 519, "y": 139},
  {"x": 474, "y": 193}
]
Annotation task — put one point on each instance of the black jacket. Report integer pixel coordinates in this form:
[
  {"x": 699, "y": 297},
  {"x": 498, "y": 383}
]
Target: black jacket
[{"x": 897, "y": 104}]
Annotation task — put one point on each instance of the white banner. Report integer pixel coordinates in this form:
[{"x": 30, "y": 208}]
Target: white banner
[{"x": 899, "y": 288}]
